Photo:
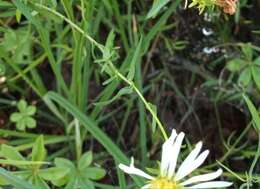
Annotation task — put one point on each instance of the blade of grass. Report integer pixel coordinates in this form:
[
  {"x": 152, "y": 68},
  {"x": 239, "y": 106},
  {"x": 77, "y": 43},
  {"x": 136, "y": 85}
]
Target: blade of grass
[
  {"x": 45, "y": 42},
  {"x": 92, "y": 127},
  {"x": 16, "y": 68},
  {"x": 254, "y": 113},
  {"x": 15, "y": 181}
]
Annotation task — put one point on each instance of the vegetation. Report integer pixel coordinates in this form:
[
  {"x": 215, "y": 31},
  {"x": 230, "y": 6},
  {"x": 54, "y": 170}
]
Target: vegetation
[{"x": 86, "y": 84}]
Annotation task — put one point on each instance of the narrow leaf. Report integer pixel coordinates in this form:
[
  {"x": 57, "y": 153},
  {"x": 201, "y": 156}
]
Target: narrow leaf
[
  {"x": 134, "y": 60},
  {"x": 121, "y": 92},
  {"x": 93, "y": 128},
  {"x": 157, "y": 6},
  {"x": 15, "y": 181},
  {"x": 154, "y": 109},
  {"x": 254, "y": 113},
  {"x": 38, "y": 152}
]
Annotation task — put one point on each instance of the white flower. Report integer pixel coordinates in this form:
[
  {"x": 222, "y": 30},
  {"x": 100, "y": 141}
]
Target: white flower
[{"x": 171, "y": 179}]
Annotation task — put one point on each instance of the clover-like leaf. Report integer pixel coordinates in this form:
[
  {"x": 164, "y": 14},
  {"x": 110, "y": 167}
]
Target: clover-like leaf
[{"x": 23, "y": 118}]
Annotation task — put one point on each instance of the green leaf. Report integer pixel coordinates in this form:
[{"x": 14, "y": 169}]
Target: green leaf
[
  {"x": 245, "y": 77},
  {"x": 108, "y": 51},
  {"x": 254, "y": 113},
  {"x": 85, "y": 160},
  {"x": 30, "y": 122},
  {"x": 18, "y": 15},
  {"x": 21, "y": 125},
  {"x": 235, "y": 65},
  {"x": 20, "y": 163},
  {"x": 154, "y": 109},
  {"x": 86, "y": 184},
  {"x": 62, "y": 181},
  {"x": 53, "y": 173},
  {"x": 3, "y": 182},
  {"x": 30, "y": 110},
  {"x": 23, "y": 174},
  {"x": 257, "y": 61},
  {"x": 10, "y": 152},
  {"x": 62, "y": 162},
  {"x": 109, "y": 80},
  {"x": 41, "y": 184},
  {"x": 10, "y": 40},
  {"x": 110, "y": 40},
  {"x": 94, "y": 173},
  {"x": 38, "y": 151},
  {"x": 22, "y": 105},
  {"x": 15, "y": 117},
  {"x": 2, "y": 69},
  {"x": 93, "y": 128},
  {"x": 72, "y": 184},
  {"x": 121, "y": 92},
  {"x": 256, "y": 75},
  {"x": 136, "y": 57},
  {"x": 248, "y": 51},
  {"x": 157, "y": 6},
  {"x": 15, "y": 181}
]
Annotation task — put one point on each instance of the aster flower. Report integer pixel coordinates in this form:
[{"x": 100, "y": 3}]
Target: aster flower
[{"x": 171, "y": 179}]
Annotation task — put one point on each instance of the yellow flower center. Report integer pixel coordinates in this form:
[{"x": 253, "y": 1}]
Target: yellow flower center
[{"x": 163, "y": 183}]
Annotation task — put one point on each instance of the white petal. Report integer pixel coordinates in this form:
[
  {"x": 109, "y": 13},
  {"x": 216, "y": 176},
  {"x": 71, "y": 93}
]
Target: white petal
[
  {"x": 197, "y": 162},
  {"x": 174, "y": 152},
  {"x": 213, "y": 184},
  {"x": 167, "y": 146},
  {"x": 132, "y": 170},
  {"x": 184, "y": 169},
  {"x": 203, "y": 178},
  {"x": 146, "y": 186}
]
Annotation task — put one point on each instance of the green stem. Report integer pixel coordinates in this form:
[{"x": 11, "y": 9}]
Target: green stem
[
  {"x": 73, "y": 25},
  {"x": 131, "y": 84},
  {"x": 101, "y": 48}
]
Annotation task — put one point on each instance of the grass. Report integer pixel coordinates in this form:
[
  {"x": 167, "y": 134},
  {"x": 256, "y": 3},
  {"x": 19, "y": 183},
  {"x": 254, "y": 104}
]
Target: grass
[{"x": 108, "y": 79}]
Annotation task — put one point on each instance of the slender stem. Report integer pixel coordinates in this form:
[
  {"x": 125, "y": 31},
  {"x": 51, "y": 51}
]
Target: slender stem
[
  {"x": 101, "y": 48},
  {"x": 148, "y": 107},
  {"x": 75, "y": 26},
  {"x": 78, "y": 139}
]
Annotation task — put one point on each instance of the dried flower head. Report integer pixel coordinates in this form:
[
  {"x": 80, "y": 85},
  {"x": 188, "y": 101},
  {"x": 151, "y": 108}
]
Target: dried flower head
[{"x": 229, "y": 6}]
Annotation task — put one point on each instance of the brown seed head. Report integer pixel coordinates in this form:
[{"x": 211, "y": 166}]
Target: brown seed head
[{"x": 229, "y": 6}]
